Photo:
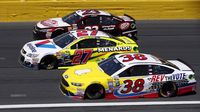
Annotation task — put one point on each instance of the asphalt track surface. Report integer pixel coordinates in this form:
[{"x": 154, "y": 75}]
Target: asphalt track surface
[{"x": 18, "y": 85}]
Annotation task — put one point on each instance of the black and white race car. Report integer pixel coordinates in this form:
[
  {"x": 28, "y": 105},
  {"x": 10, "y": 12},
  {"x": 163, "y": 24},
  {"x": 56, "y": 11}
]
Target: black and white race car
[{"x": 86, "y": 19}]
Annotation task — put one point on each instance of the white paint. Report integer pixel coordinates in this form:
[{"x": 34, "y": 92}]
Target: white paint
[
  {"x": 61, "y": 105},
  {"x": 18, "y": 95},
  {"x": 2, "y": 58}
]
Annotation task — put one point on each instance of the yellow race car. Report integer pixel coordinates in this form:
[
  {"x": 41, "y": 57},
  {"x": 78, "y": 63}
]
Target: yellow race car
[
  {"x": 93, "y": 48},
  {"x": 129, "y": 75}
]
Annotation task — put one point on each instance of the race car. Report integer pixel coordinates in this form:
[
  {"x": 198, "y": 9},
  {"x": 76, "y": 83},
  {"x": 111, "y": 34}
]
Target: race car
[
  {"x": 86, "y": 19},
  {"x": 128, "y": 75},
  {"x": 74, "y": 47}
]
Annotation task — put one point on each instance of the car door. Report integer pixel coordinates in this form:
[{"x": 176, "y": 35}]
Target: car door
[
  {"x": 133, "y": 81},
  {"x": 82, "y": 51}
]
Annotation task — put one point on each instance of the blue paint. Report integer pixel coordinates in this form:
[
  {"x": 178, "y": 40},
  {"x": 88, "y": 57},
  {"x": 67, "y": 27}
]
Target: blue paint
[
  {"x": 45, "y": 46},
  {"x": 116, "y": 93}
]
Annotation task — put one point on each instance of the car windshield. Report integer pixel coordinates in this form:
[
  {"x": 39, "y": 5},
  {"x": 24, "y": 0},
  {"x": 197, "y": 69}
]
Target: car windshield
[
  {"x": 110, "y": 65},
  {"x": 71, "y": 18},
  {"x": 165, "y": 62},
  {"x": 64, "y": 39}
]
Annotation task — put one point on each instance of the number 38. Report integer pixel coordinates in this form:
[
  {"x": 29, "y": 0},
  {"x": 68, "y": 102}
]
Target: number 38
[{"x": 137, "y": 87}]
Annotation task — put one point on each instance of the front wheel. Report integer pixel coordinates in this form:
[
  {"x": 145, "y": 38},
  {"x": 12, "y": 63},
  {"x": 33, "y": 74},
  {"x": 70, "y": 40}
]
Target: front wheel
[
  {"x": 168, "y": 89},
  {"x": 48, "y": 62},
  {"x": 95, "y": 91}
]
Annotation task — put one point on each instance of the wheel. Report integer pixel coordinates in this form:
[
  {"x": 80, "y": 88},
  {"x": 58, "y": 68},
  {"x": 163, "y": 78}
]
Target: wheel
[
  {"x": 57, "y": 32},
  {"x": 168, "y": 89},
  {"x": 95, "y": 91},
  {"x": 48, "y": 62}
]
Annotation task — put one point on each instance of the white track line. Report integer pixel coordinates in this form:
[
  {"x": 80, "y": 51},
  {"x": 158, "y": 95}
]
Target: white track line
[{"x": 59, "y": 105}]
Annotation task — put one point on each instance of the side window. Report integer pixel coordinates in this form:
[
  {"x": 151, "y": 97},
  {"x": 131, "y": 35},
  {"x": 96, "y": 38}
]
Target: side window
[
  {"x": 87, "y": 43},
  {"x": 161, "y": 70},
  {"x": 91, "y": 21},
  {"x": 105, "y": 43},
  {"x": 137, "y": 70},
  {"x": 108, "y": 20}
]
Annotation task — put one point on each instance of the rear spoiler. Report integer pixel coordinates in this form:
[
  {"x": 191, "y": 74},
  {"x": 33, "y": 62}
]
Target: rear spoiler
[
  {"x": 130, "y": 17},
  {"x": 185, "y": 63}
]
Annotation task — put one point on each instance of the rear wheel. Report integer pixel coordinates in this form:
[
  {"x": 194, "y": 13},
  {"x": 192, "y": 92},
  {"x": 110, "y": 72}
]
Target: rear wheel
[
  {"x": 168, "y": 89},
  {"x": 95, "y": 91},
  {"x": 48, "y": 62}
]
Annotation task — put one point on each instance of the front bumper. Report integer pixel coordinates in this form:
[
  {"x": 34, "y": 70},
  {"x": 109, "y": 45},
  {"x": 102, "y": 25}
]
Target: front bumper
[
  {"x": 26, "y": 61},
  {"x": 71, "y": 91}
]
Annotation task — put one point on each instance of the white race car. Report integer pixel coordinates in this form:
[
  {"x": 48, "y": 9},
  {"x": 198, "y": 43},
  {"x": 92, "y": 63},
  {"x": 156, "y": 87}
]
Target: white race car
[
  {"x": 129, "y": 75},
  {"x": 32, "y": 52}
]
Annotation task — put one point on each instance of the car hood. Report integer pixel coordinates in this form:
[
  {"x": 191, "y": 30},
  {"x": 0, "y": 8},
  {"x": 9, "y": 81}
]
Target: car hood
[
  {"x": 52, "y": 22},
  {"x": 88, "y": 73},
  {"x": 41, "y": 47}
]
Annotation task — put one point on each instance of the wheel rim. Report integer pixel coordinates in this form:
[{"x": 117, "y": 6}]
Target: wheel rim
[{"x": 168, "y": 90}]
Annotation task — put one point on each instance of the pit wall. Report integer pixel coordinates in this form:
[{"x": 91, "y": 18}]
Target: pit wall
[{"x": 35, "y": 10}]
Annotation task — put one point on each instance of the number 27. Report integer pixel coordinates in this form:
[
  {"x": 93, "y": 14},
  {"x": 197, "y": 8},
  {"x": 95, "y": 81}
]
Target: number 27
[{"x": 81, "y": 56}]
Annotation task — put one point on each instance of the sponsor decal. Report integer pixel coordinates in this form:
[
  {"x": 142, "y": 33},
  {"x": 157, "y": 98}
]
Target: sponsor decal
[
  {"x": 31, "y": 47},
  {"x": 178, "y": 76},
  {"x": 110, "y": 27},
  {"x": 113, "y": 49},
  {"x": 110, "y": 86},
  {"x": 124, "y": 26},
  {"x": 45, "y": 44},
  {"x": 157, "y": 78},
  {"x": 49, "y": 23}
]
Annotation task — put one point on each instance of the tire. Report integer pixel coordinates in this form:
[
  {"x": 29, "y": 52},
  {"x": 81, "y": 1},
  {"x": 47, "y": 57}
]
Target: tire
[
  {"x": 168, "y": 89},
  {"x": 56, "y": 33},
  {"x": 48, "y": 63},
  {"x": 95, "y": 91}
]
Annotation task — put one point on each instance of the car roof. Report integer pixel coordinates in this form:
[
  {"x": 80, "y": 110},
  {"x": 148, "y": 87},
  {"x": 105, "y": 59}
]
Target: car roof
[
  {"x": 82, "y": 33},
  {"x": 87, "y": 12},
  {"x": 149, "y": 59}
]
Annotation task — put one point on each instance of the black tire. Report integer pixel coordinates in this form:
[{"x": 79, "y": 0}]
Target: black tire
[
  {"x": 168, "y": 89},
  {"x": 95, "y": 91},
  {"x": 56, "y": 33},
  {"x": 48, "y": 62}
]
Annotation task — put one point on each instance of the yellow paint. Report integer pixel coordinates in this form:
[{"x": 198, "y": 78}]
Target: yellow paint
[{"x": 36, "y": 10}]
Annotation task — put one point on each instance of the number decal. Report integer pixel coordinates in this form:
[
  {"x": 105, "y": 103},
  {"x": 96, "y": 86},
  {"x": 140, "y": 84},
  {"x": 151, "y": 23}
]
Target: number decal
[
  {"x": 129, "y": 57},
  {"x": 88, "y": 53},
  {"x": 140, "y": 57},
  {"x": 94, "y": 33},
  {"x": 77, "y": 58},
  {"x": 81, "y": 56},
  {"x": 138, "y": 86},
  {"x": 81, "y": 33},
  {"x": 128, "y": 86},
  {"x": 92, "y": 27}
]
